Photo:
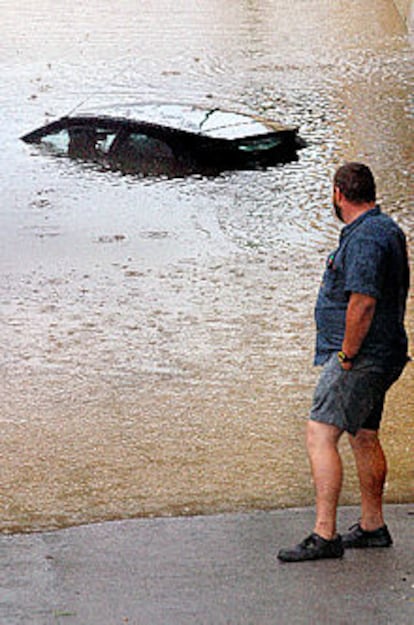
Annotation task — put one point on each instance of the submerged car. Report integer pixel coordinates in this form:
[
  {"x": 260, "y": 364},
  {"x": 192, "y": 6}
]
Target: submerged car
[{"x": 167, "y": 139}]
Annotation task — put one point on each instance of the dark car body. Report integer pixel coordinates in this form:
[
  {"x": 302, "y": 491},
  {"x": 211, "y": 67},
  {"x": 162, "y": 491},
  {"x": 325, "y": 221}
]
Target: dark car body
[{"x": 167, "y": 138}]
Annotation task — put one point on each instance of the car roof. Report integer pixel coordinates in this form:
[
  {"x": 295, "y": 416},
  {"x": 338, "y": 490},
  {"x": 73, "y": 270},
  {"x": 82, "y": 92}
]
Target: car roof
[{"x": 215, "y": 123}]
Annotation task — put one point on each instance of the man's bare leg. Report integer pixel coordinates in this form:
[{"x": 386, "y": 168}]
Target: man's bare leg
[
  {"x": 326, "y": 465},
  {"x": 372, "y": 470}
]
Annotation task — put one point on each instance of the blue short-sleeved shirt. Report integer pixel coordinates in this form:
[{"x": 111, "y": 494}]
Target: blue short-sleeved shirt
[{"x": 372, "y": 260}]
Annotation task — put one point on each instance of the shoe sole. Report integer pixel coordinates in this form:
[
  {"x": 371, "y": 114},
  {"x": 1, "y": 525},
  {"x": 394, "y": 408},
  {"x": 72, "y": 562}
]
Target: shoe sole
[
  {"x": 367, "y": 546},
  {"x": 310, "y": 559}
]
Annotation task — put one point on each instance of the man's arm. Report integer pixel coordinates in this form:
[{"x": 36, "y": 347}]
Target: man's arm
[{"x": 359, "y": 315}]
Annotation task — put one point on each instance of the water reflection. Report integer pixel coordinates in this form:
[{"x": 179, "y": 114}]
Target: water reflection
[{"x": 157, "y": 334}]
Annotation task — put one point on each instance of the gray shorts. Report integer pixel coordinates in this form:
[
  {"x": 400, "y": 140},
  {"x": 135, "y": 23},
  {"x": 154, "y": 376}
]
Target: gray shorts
[{"x": 352, "y": 399}]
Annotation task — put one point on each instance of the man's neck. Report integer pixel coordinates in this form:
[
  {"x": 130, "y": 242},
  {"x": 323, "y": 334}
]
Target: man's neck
[{"x": 351, "y": 211}]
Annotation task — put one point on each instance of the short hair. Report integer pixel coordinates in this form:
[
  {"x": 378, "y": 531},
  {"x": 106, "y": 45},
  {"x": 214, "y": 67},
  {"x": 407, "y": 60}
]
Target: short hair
[{"x": 356, "y": 182}]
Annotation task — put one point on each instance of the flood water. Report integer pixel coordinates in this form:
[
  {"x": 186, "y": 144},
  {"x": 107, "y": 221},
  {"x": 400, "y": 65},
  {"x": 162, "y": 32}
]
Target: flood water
[{"x": 157, "y": 335}]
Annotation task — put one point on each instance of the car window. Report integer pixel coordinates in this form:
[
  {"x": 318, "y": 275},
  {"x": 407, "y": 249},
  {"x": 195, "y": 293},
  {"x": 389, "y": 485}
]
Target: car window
[
  {"x": 56, "y": 142},
  {"x": 104, "y": 139},
  {"x": 139, "y": 152},
  {"x": 80, "y": 141},
  {"x": 261, "y": 144},
  {"x": 140, "y": 145}
]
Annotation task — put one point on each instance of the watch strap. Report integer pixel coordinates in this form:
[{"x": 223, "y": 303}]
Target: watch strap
[{"x": 342, "y": 357}]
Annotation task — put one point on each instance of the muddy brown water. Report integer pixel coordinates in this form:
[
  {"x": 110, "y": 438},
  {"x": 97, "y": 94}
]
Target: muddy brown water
[{"x": 157, "y": 335}]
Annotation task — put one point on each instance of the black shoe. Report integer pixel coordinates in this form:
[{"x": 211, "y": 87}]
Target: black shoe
[
  {"x": 361, "y": 539},
  {"x": 314, "y": 547}
]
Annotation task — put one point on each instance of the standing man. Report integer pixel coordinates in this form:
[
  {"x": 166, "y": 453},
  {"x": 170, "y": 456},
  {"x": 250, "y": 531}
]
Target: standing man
[{"x": 362, "y": 344}]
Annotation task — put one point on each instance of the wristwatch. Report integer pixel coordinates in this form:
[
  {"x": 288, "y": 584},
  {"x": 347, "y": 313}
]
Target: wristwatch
[{"x": 342, "y": 357}]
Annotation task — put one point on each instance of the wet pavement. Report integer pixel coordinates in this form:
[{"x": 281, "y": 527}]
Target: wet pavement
[{"x": 219, "y": 570}]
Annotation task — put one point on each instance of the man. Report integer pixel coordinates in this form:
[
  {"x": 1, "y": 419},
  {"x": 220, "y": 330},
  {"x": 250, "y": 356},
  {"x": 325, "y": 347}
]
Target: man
[{"x": 362, "y": 345}]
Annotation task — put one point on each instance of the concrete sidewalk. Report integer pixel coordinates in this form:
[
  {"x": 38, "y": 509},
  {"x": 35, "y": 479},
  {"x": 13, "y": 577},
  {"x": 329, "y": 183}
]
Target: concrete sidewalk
[{"x": 218, "y": 570}]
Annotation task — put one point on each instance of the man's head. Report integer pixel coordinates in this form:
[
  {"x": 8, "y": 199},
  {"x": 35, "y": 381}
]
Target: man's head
[{"x": 354, "y": 185}]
